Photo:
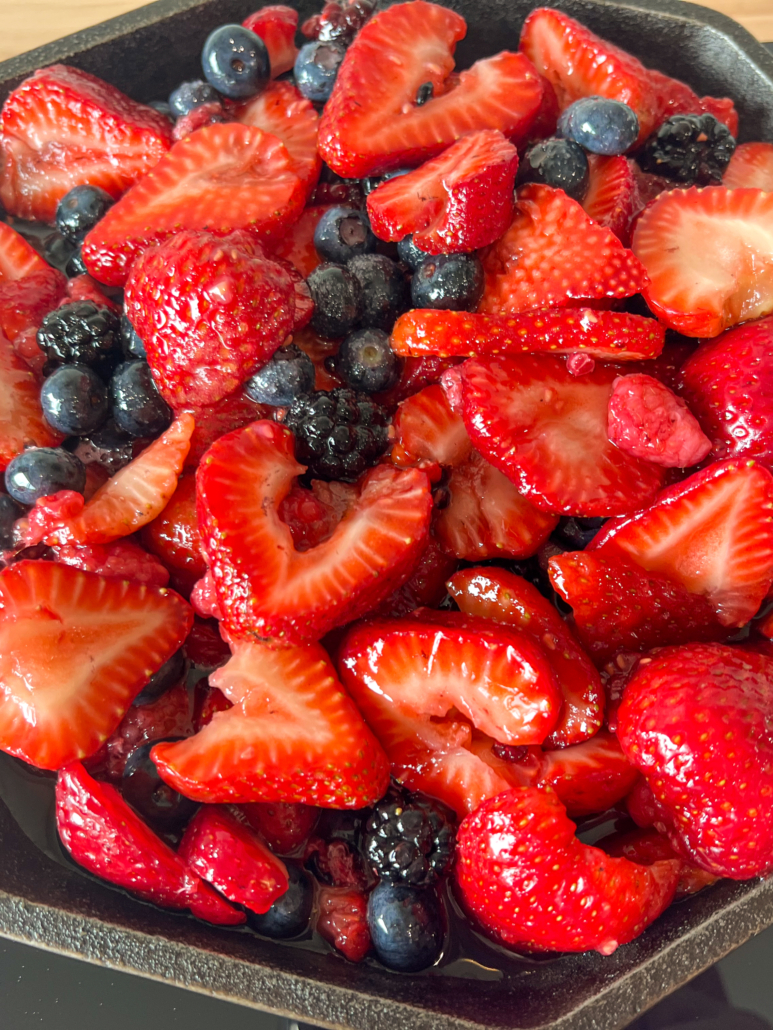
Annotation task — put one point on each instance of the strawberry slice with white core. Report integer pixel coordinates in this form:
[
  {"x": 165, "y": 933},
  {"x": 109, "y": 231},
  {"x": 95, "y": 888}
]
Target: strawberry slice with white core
[
  {"x": 709, "y": 256},
  {"x": 713, "y": 533},
  {"x": 265, "y": 587},
  {"x": 372, "y": 123},
  {"x": 293, "y": 734},
  {"x": 21, "y": 417},
  {"x": 428, "y": 432},
  {"x": 751, "y": 167},
  {"x": 17, "y": 257},
  {"x": 612, "y": 196},
  {"x": 546, "y": 429},
  {"x": 276, "y": 25},
  {"x": 221, "y": 178},
  {"x": 75, "y": 650}
]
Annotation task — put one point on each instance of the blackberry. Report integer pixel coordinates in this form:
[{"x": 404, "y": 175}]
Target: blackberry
[
  {"x": 338, "y": 434},
  {"x": 409, "y": 840},
  {"x": 691, "y": 148},
  {"x": 560, "y": 163},
  {"x": 82, "y": 333}
]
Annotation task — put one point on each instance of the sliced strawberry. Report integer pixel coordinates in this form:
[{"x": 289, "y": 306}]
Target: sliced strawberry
[
  {"x": 292, "y": 735},
  {"x": 460, "y": 201},
  {"x": 222, "y": 178},
  {"x": 674, "y": 97},
  {"x": 83, "y": 287},
  {"x": 709, "y": 256},
  {"x": 297, "y": 244},
  {"x": 504, "y": 597},
  {"x": 372, "y": 124},
  {"x": 276, "y": 25},
  {"x": 235, "y": 411},
  {"x": 342, "y": 920},
  {"x": 431, "y": 662},
  {"x": 644, "y": 847},
  {"x": 283, "y": 826},
  {"x": 612, "y": 195},
  {"x": 76, "y": 649},
  {"x": 107, "y": 837},
  {"x": 428, "y": 433},
  {"x": 552, "y": 254},
  {"x": 589, "y": 777},
  {"x": 199, "y": 116},
  {"x": 601, "y": 334},
  {"x": 25, "y": 302},
  {"x": 751, "y": 167},
  {"x": 62, "y": 128},
  {"x": 426, "y": 586},
  {"x": 17, "y": 257},
  {"x": 132, "y": 498},
  {"x": 225, "y": 852},
  {"x": 263, "y": 584},
  {"x": 174, "y": 536},
  {"x": 21, "y": 417},
  {"x": 711, "y": 533},
  {"x": 282, "y": 110},
  {"x": 120, "y": 560},
  {"x": 547, "y": 431}
]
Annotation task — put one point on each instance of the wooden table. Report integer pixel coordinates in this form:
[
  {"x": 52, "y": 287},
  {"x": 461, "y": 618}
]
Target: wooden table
[{"x": 25, "y": 24}]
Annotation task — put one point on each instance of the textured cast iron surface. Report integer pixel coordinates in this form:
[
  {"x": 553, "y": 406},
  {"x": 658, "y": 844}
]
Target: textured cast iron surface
[{"x": 43, "y": 902}]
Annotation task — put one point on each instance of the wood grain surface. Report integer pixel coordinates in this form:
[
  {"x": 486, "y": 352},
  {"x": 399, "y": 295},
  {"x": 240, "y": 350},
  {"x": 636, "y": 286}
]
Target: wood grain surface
[{"x": 25, "y": 24}]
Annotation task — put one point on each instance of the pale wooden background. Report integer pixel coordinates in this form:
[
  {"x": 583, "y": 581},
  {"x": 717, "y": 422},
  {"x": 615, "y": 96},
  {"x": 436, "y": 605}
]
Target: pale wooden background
[{"x": 28, "y": 23}]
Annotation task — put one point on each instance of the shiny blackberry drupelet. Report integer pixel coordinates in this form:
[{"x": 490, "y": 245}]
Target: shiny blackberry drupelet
[
  {"x": 190, "y": 95},
  {"x": 109, "y": 447},
  {"x": 600, "y": 125},
  {"x": 40, "y": 471},
  {"x": 287, "y": 375},
  {"x": 82, "y": 333},
  {"x": 79, "y": 211},
  {"x": 133, "y": 344},
  {"x": 170, "y": 673},
  {"x": 406, "y": 926},
  {"x": 690, "y": 148},
  {"x": 235, "y": 62},
  {"x": 450, "y": 282},
  {"x": 74, "y": 400},
  {"x": 409, "y": 839},
  {"x": 290, "y": 914},
  {"x": 410, "y": 254},
  {"x": 343, "y": 233},
  {"x": 10, "y": 511},
  {"x": 138, "y": 407},
  {"x": 366, "y": 362},
  {"x": 337, "y": 297},
  {"x": 149, "y": 795},
  {"x": 386, "y": 291},
  {"x": 338, "y": 434},
  {"x": 560, "y": 163},
  {"x": 316, "y": 69}
]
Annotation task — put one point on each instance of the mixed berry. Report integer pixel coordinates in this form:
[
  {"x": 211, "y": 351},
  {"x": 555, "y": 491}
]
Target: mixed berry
[{"x": 388, "y": 490}]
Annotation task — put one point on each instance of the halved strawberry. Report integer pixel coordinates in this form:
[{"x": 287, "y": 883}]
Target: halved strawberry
[
  {"x": 425, "y": 587},
  {"x": 62, "y": 128},
  {"x": 589, "y": 777},
  {"x": 611, "y": 335},
  {"x": 644, "y": 847},
  {"x": 751, "y": 167},
  {"x": 173, "y": 536},
  {"x": 267, "y": 588},
  {"x": 292, "y": 734},
  {"x": 547, "y": 431},
  {"x": 76, "y": 648},
  {"x": 712, "y": 533},
  {"x": 372, "y": 124},
  {"x": 134, "y": 496},
  {"x": 282, "y": 110},
  {"x": 552, "y": 254},
  {"x": 709, "y": 257},
  {"x": 24, "y": 303},
  {"x": 674, "y": 97},
  {"x": 221, "y": 178},
  {"x": 504, "y": 597},
  {"x": 283, "y": 826},
  {"x": 460, "y": 201},
  {"x": 17, "y": 257},
  {"x": 297, "y": 244},
  {"x": 21, "y": 416},
  {"x": 276, "y": 26},
  {"x": 235, "y": 411},
  {"x": 428, "y": 432},
  {"x": 612, "y": 195}
]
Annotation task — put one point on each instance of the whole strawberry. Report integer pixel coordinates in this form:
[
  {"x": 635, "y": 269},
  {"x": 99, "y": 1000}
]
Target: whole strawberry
[{"x": 211, "y": 310}]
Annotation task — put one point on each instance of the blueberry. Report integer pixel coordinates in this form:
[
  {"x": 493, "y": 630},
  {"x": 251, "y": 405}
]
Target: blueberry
[
  {"x": 576, "y": 533},
  {"x": 9, "y": 513},
  {"x": 147, "y": 793},
  {"x": 406, "y": 926},
  {"x": 556, "y": 162},
  {"x": 40, "y": 471},
  {"x": 343, "y": 233},
  {"x": 74, "y": 400},
  {"x": 409, "y": 253},
  {"x": 75, "y": 264},
  {"x": 57, "y": 250},
  {"x": 316, "y": 68},
  {"x": 337, "y": 297},
  {"x": 236, "y": 62},
  {"x": 289, "y": 915},
  {"x": 79, "y": 211},
  {"x": 385, "y": 290},
  {"x": 189, "y": 95},
  {"x": 366, "y": 362},
  {"x": 289, "y": 374},
  {"x": 163, "y": 108},
  {"x": 170, "y": 673},
  {"x": 449, "y": 282},
  {"x": 600, "y": 125},
  {"x": 133, "y": 344},
  {"x": 109, "y": 447},
  {"x": 138, "y": 407},
  {"x": 370, "y": 182}
]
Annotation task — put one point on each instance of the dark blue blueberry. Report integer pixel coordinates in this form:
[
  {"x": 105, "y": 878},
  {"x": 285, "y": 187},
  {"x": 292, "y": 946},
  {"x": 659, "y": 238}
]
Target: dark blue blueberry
[
  {"x": 170, "y": 673},
  {"x": 576, "y": 533},
  {"x": 600, "y": 125},
  {"x": 337, "y": 297},
  {"x": 424, "y": 93},
  {"x": 109, "y": 447},
  {"x": 236, "y": 62},
  {"x": 370, "y": 182},
  {"x": 556, "y": 162},
  {"x": 343, "y": 233},
  {"x": 57, "y": 250},
  {"x": 386, "y": 292},
  {"x": 75, "y": 264},
  {"x": 133, "y": 344},
  {"x": 366, "y": 362},
  {"x": 138, "y": 407},
  {"x": 189, "y": 95},
  {"x": 147, "y": 793},
  {"x": 289, "y": 374},
  {"x": 40, "y": 471},
  {"x": 163, "y": 108},
  {"x": 74, "y": 400},
  {"x": 316, "y": 68},
  {"x": 408, "y": 252},
  {"x": 289, "y": 915},
  {"x": 449, "y": 281},
  {"x": 79, "y": 211},
  {"x": 406, "y": 926},
  {"x": 9, "y": 513}
]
